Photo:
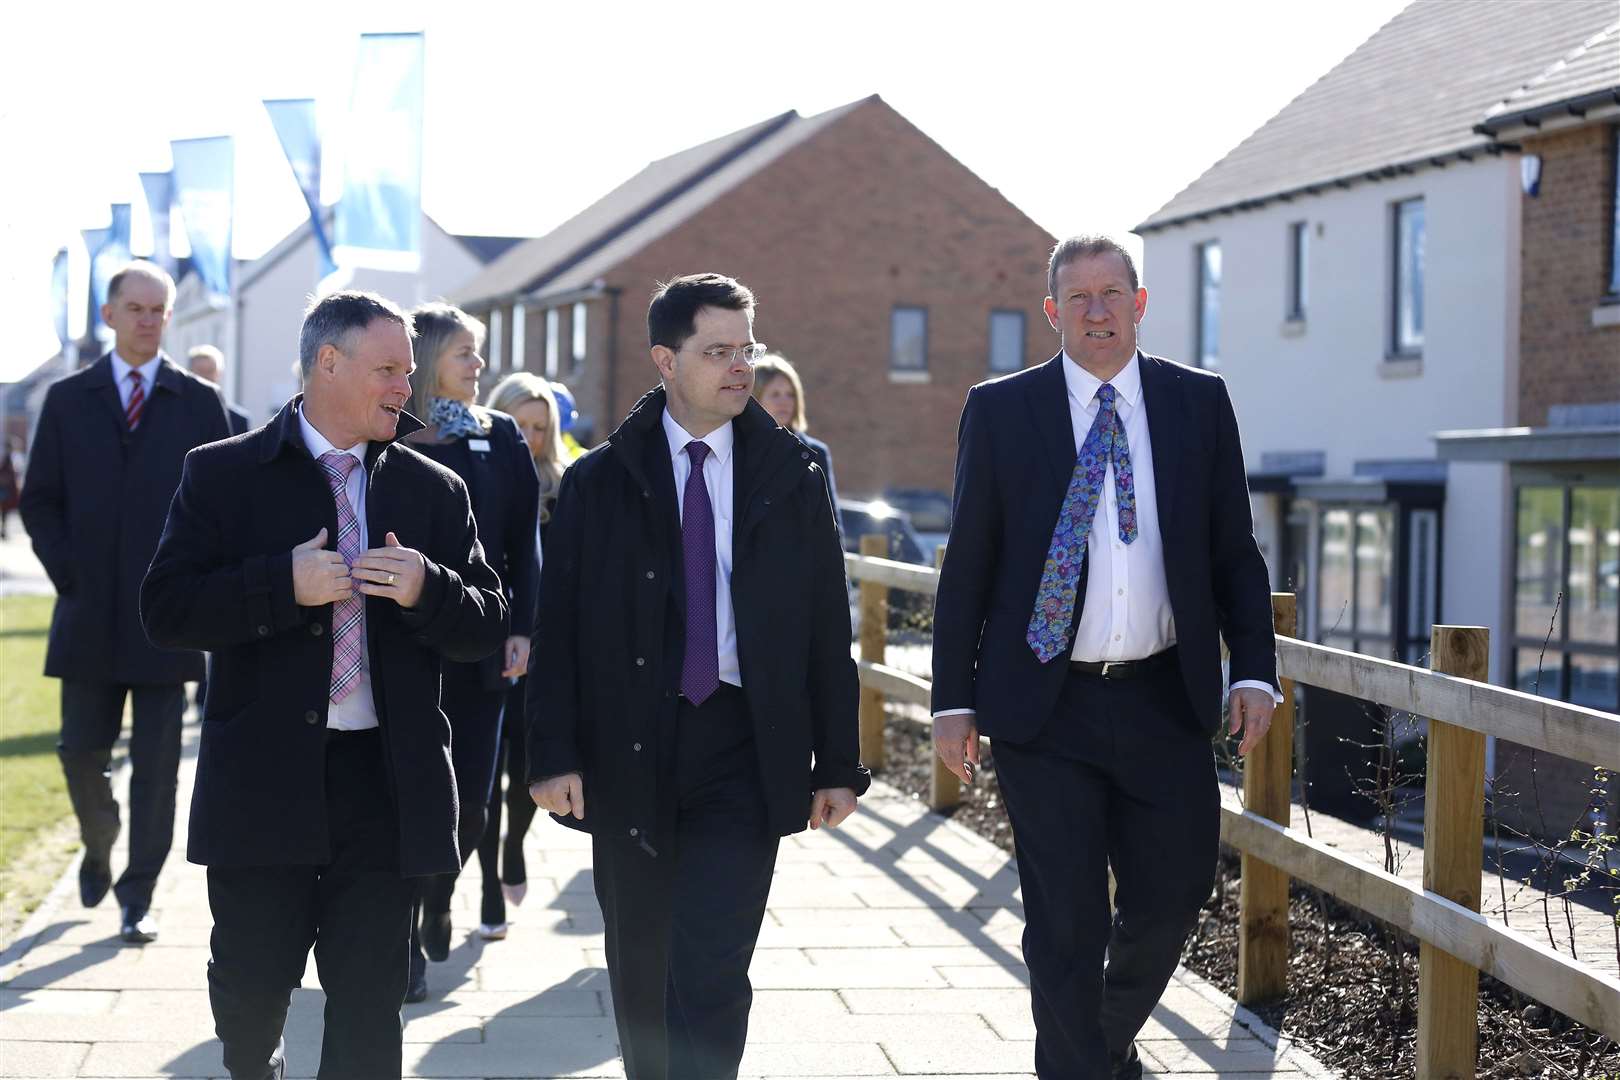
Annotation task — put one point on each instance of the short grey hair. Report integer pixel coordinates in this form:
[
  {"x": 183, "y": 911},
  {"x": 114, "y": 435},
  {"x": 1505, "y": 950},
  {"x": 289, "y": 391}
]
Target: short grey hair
[
  {"x": 140, "y": 268},
  {"x": 209, "y": 352},
  {"x": 334, "y": 320},
  {"x": 1085, "y": 246}
]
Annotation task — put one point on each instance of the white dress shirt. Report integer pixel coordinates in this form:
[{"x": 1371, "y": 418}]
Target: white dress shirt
[
  {"x": 357, "y": 711},
  {"x": 1125, "y": 614},
  {"x": 120, "y": 372},
  {"x": 718, "y": 470}
]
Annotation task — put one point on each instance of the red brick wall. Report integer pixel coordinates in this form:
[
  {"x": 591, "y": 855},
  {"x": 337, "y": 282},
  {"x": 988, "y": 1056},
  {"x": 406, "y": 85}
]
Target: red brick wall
[
  {"x": 1563, "y": 358},
  {"x": 867, "y": 214}
]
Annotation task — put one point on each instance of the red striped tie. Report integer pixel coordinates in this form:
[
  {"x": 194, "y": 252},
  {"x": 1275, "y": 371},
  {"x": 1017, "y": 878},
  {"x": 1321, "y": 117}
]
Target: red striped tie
[{"x": 137, "y": 401}]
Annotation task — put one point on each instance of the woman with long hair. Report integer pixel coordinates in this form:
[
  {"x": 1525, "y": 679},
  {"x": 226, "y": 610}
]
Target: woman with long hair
[
  {"x": 491, "y": 456},
  {"x": 531, "y": 401},
  {"x": 777, "y": 386}
]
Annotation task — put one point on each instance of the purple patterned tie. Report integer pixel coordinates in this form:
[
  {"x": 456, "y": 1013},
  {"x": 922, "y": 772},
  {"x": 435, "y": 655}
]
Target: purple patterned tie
[
  {"x": 700, "y": 669},
  {"x": 1105, "y": 445},
  {"x": 348, "y": 616}
]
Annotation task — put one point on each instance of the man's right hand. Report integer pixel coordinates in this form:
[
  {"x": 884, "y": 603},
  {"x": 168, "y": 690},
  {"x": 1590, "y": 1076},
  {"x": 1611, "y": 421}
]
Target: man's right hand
[
  {"x": 956, "y": 741},
  {"x": 319, "y": 576},
  {"x": 560, "y": 795}
]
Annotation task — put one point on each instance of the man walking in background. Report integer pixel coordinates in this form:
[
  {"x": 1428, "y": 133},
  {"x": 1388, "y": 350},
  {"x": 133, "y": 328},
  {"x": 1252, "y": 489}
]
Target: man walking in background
[
  {"x": 105, "y": 462},
  {"x": 208, "y": 363},
  {"x": 1101, "y": 547}
]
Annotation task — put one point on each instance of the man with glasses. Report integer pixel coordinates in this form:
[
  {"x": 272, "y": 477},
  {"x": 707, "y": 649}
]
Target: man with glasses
[{"x": 700, "y": 700}]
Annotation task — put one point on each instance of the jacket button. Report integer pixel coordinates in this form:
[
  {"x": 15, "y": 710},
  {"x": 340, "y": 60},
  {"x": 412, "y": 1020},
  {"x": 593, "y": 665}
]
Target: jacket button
[
  {"x": 317, "y": 629},
  {"x": 636, "y": 747},
  {"x": 641, "y": 662},
  {"x": 651, "y": 575},
  {"x": 312, "y": 717},
  {"x": 634, "y": 831},
  {"x": 264, "y": 631},
  {"x": 805, "y": 455}
]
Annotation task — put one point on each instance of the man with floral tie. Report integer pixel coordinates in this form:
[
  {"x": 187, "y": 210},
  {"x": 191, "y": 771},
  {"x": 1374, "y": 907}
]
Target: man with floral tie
[
  {"x": 329, "y": 569},
  {"x": 692, "y": 697},
  {"x": 1101, "y": 546}
]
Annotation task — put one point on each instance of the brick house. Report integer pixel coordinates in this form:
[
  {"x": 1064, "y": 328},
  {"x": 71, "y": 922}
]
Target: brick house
[
  {"x": 891, "y": 275},
  {"x": 1563, "y": 457}
]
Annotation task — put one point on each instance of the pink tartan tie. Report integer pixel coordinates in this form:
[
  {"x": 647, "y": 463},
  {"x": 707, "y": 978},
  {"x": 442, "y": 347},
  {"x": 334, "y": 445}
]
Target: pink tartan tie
[{"x": 348, "y": 616}]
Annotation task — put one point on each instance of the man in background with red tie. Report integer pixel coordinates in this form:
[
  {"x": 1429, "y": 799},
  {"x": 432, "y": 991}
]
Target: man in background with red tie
[
  {"x": 329, "y": 569},
  {"x": 105, "y": 461},
  {"x": 692, "y": 697},
  {"x": 1101, "y": 547}
]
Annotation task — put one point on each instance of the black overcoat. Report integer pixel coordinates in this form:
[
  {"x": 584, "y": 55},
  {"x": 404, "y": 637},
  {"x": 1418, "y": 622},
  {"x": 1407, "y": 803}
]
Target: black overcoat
[
  {"x": 608, "y": 644},
  {"x": 94, "y": 503},
  {"x": 222, "y": 581}
]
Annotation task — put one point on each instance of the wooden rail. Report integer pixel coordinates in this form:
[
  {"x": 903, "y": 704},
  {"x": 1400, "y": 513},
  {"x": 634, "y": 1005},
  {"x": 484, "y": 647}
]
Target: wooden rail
[{"x": 1456, "y": 943}]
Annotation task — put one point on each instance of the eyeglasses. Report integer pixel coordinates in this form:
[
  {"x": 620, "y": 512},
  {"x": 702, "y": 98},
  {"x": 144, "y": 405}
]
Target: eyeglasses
[{"x": 727, "y": 354}]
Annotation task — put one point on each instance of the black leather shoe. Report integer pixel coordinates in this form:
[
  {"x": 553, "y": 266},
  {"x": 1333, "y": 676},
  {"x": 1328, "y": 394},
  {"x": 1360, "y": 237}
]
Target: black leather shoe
[
  {"x": 436, "y": 935},
  {"x": 136, "y": 925},
  {"x": 416, "y": 988},
  {"x": 1126, "y": 1066},
  {"x": 95, "y": 878}
]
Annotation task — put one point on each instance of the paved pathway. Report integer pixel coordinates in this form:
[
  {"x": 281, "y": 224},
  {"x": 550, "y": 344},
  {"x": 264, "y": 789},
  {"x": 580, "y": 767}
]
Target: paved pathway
[{"x": 890, "y": 948}]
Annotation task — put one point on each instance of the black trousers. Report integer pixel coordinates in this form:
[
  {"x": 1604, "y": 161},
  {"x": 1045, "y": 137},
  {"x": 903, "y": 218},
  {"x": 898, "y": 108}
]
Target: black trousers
[
  {"x": 681, "y": 924},
  {"x": 503, "y": 861},
  {"x": 354, "y": 911},
  {"x": 1122, "y": 776},
  {"x": 92, "y": 716}
]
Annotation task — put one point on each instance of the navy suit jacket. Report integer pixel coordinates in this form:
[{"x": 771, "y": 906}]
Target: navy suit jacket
[{"x": 1015, "y": 455}]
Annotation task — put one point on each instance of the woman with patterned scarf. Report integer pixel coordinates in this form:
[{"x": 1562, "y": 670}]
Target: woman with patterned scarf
[{"x": 488, "y": 452}]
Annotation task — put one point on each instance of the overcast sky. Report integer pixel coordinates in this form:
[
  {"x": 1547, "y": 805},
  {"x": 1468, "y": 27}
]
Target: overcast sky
[{"x": 1088, "y": 116}]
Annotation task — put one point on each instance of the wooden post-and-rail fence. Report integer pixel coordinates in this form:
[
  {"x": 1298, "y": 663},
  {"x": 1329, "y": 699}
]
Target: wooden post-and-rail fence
[{"x": 1455, "y": 941}]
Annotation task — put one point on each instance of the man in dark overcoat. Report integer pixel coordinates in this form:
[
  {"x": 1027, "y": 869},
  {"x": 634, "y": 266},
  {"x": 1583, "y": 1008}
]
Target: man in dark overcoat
[
  {"x": 104, "y": 465},
  {"x": 692, "y": 697},
  {"x": 330, "y": 570}
]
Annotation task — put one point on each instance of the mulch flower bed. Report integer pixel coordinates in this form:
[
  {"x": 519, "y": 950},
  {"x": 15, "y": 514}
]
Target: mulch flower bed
[{"x": 1352, "y": 1000}]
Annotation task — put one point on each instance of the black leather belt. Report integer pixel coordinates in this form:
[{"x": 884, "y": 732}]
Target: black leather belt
[{"x": 1125, "y": 669}]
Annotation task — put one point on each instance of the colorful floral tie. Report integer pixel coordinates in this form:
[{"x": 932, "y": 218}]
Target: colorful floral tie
[
  {"x": 348, "y": 616},
  {"x": 1105, "y": 444}
]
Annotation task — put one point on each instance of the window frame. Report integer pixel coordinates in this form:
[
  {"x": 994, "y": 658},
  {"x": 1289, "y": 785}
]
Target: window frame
[
  {"x": 1201, "y": 290},
  {"x": 1399, "y": 347},
  {"x": 898, "y": 372},
  {"x": 1298, "y": 276},
  {"x": 1023, "y": 340},
  {"x": 578, "y": 334},
  {"x": 553, "y": 353}
]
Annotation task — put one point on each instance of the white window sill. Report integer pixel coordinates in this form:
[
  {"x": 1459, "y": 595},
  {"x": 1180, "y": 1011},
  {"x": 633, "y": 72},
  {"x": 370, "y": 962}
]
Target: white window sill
[
  {"x": 908, "y": 376},
  {"x": 1292, "y": 328},
  {"x": 1606, "y": 315},
  {"x": 1400, "y": 367}
]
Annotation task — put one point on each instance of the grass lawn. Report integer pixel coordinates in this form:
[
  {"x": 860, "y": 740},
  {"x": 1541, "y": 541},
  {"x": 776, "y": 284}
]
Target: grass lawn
[{"x": 33, "y": 800}]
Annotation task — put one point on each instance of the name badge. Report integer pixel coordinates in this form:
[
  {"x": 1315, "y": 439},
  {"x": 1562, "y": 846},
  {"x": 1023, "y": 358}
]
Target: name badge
[{"x": 480, "y": 445}]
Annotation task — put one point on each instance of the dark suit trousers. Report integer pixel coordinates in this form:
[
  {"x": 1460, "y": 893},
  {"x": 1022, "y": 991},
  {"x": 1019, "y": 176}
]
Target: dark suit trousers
[
  {"x": 503, "y": 862},
  {"x": 681, "y": 925},
  {"x": 1121, "y": 776},
  {"x": 354, "y": 911},
  {"x": 92, "y": 716}
]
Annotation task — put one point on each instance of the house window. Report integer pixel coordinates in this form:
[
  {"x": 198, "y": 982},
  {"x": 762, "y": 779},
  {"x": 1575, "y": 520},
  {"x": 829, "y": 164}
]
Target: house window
[
  {"x": 1356, "y": 580},
  {"x": 1566, "y": 593},
  {"x": 1408, "y": 277},
  {"x": 908, "y": 341},
  {"x": 496, "y": 345},
  {"x": 1614, "y": 239},
  {"x": 577, "y": 325},
  {"x": 1297, "y": 234},
  {"x": 1006, "y": 340},
  {"x": 553, "y": 343},
  {"x": 1209, "y": 304},
  {"x": 519, "y": 320}
]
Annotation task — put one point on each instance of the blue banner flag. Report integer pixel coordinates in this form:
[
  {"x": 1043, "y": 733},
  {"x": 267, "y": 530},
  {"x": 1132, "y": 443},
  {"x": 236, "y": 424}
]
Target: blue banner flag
[
  {"x": 203, "y": 177},
  {"x": 59, "y": 295},
  {"x": 109, "y": 251},
  {"x": 159, "y": 188},
  {"x": 294, "y": 121},
  {"x": 379, "y": 220}
]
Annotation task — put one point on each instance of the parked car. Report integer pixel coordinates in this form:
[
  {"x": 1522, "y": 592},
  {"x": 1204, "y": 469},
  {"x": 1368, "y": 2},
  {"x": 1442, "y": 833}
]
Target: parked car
[
  {"x": 858, "y": 518},
  {"x": 930, "y": 513}
]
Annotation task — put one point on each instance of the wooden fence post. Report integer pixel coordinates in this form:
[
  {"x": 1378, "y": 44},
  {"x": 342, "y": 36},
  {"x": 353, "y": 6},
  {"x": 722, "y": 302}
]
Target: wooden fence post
[
  {"x": 1268, "y": 786},
  {"x": 874, "y": 647},
  {"x": 1453, "y": 854},
  {"x": 944, "y": 789}
]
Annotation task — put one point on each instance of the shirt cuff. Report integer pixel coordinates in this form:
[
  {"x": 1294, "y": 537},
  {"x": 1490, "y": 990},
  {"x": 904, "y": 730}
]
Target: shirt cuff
[
  {"x": 1256, "y": 684},
  {"x": 953, "y": 712}
]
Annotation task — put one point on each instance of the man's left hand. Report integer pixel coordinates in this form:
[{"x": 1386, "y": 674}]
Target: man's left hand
[
  {"x": 516, "y": 657},
  {"x": 393, "y": 572},
  {"x": 830, "y": 806},
  {"x": 1251, "y": 711}
]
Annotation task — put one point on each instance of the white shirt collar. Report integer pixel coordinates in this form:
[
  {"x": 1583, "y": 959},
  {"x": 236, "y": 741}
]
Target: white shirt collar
[
  {"x": 122, "y": 368},
  {"x": 1083, "y": 385},
  {"x": 719, "y": 441},
  {"x": 319, "y": 444}
]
